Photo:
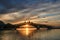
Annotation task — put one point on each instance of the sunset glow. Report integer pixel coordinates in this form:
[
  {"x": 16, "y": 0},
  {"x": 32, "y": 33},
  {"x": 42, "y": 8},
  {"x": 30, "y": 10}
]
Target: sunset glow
[{"x": 26, "y": 30}]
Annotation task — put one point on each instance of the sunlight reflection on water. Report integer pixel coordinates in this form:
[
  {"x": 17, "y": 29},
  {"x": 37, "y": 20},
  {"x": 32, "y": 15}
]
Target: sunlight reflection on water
[{"x": 38, "y": 35}]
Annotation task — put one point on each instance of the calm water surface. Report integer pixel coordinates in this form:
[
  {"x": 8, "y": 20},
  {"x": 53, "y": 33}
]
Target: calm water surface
[{"x": 38, "y": 35}]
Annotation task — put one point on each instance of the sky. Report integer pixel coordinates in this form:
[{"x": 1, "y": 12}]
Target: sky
[{"x": 38, "y": 11}]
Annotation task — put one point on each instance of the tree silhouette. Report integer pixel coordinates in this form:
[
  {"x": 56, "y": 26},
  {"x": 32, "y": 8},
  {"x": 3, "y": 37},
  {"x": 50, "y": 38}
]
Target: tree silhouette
[{"x": 2, "y": 25}]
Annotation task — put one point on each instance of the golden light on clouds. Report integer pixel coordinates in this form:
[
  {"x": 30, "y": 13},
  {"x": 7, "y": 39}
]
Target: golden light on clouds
[{"x": 48, "y": 12}]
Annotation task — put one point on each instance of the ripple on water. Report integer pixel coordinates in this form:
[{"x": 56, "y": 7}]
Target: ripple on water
[{"x": 38, "y": 35}]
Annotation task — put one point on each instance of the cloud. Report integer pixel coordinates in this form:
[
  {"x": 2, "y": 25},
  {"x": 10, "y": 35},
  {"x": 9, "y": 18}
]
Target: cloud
[{"x": 36, "y": 11}]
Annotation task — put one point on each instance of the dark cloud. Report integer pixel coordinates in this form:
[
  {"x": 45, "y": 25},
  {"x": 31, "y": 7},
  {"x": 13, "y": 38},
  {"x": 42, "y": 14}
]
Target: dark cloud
[
  {"x": 11, "y": 6},
  {"x": 16, "y": 5}
]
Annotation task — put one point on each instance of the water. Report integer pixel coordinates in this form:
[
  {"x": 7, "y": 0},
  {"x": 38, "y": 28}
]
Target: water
[{"x": 38, "y": 35}]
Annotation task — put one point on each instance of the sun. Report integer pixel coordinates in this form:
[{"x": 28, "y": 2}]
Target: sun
[{"x": 26, "y": 30}]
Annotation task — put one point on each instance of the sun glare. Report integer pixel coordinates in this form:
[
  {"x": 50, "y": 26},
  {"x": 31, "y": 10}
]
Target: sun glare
[{"x": 26, "y": 30}]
